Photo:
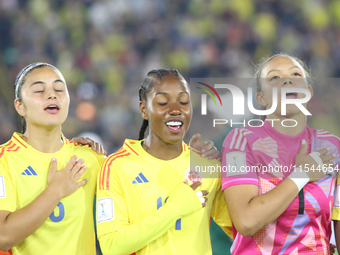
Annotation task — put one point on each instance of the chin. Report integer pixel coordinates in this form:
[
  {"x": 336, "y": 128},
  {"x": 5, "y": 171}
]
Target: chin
[{"x": 174, "y": 139}]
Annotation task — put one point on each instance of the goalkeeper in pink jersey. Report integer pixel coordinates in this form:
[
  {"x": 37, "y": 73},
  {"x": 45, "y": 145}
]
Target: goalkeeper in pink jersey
[{"x": 277, "y": 208}]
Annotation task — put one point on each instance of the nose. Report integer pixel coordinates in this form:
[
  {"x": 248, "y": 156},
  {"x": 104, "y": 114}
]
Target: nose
[
  {"x": 287, "y": 82},
  {"x": 174, "y": 109},
  {"x": 51, "y": 94}
]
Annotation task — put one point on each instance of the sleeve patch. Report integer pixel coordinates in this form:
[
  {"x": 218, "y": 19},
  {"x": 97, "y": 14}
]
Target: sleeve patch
[
  {"x": 105, "y": 210},
  {"x": 236, "y": 163},
  {"x": 2, "y": 187}
]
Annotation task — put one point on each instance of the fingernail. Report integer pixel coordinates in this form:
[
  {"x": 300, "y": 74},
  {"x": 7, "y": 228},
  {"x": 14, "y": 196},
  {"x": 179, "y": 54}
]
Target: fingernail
[
  {"x": 203, "y": 150},
  {"x": 210, "y": 157},
  {"x": 84, "y": 167},
  {"x": 76, "y": 156},
  {"x": 54, "y": 159},
  {"x": 82, "y": 160},
  {"x": 203, "y": 156},
  {"x": 304, "y": 141}
]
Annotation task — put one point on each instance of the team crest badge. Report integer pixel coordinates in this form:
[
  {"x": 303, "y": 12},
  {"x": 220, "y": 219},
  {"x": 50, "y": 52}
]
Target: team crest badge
[{"x": 192, "y": 175}]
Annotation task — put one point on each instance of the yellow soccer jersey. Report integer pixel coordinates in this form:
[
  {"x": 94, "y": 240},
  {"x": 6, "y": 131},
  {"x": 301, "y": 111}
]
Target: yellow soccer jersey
[
  {"x": 23, "y": 176},
  {"x": 132, "y": 189},
  {"x": 336, "y": 205}
]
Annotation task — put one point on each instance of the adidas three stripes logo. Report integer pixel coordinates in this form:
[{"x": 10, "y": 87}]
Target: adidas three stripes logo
[
  {"x": 29, "y": 171},
  {"x": 140, "y": 179}
]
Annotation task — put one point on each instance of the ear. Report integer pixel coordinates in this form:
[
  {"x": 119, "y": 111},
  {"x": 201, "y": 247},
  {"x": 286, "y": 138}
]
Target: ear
[
  {"x": 19, "y": 106},
  {"x": 261, "y": 99},
  {"x": 310, "y": 90},
  {"x": 143, "y": 110}
]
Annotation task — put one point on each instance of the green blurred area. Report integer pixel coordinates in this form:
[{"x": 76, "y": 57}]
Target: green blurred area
[{"x": 219, "y": 240}]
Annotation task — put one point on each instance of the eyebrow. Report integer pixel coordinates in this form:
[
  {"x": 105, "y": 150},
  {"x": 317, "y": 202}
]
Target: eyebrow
[
  {"x": 41, "y": 82},
  {"x": 164, "y": 93},
  {"x": 279, "y": 70}
]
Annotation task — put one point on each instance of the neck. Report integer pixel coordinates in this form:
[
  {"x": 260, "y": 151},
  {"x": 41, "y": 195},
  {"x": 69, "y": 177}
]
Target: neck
[
  {"x": 158, "y": 148},
  {"x": 46, "y": 141},
  {"x": 301, "y": 120}
]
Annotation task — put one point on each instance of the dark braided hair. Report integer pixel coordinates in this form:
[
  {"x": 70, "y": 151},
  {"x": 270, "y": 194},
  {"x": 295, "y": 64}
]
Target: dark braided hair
[
  {"x": 19, "y": 81},
  {"x": 153, "y": 78}
]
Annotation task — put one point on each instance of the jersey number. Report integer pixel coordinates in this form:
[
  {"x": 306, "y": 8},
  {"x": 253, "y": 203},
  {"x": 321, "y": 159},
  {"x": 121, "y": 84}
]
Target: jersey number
[
  {"x": 159, "y": 204},
  {"x": 61, "y": 215}
]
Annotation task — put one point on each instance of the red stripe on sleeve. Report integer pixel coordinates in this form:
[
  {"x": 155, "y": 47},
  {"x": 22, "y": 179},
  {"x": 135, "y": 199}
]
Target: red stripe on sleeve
[
  {"x": 131, "y": 149},
  {"x": 15, "y": 149},
  {"x": 101, "y": 180},
  {"x": 108, "y": 168},
  {"x": 5, "y": 148}
]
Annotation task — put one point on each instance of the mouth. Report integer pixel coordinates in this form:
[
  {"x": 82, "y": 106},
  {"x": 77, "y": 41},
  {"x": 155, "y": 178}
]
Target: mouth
[
  {"x": 52, "y": 108},
  {"x": 174, "y": 126},
  {"x": 291, "y": 95}
]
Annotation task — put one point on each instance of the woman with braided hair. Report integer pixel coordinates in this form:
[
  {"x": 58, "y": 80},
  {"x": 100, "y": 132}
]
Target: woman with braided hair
[{"x": 144, "y": 204}]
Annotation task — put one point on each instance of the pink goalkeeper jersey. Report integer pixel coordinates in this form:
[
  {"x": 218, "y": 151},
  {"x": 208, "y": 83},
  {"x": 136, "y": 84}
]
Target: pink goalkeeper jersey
[{"x": 305, "y": 226}]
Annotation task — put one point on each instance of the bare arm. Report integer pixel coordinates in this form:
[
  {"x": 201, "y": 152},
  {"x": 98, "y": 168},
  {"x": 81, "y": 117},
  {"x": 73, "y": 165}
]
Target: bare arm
[
  {"x": 18, "y": 225},
  {"x": 251, "y": 212}
]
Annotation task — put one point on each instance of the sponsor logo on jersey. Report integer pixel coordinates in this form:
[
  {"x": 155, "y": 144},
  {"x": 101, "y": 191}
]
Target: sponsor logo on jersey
[
  {"x": 140, "y": 179},
  {"x": 2, "y": 187},
  {"x": 105, "y": 209},
  {"x": 29, "y": 171}
]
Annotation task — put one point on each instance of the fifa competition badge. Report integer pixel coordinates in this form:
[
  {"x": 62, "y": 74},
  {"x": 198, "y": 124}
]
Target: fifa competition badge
[{"x": 192, "y": 175}]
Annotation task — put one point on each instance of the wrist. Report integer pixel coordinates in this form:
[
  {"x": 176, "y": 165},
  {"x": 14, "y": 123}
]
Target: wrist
[
  {"x": 54, "y": 191},
  {"x": 299, "y": 177}
]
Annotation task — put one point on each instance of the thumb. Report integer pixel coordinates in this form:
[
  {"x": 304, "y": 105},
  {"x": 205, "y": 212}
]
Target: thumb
[
  {"x": 303, "y": 148},
  {"x": 53, "y": 166},
  {"x": 194, "y": 139}
]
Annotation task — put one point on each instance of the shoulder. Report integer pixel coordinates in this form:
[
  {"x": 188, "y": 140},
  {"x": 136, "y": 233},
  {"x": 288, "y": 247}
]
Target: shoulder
[
  {"x": 128, "y": 152},
  {"x": 321, "y": 133},
  {"x": 326, "y": 139},
  {"x": 112, "y": 168},
  {"x": 83, "y": 151},
  {"x": 239, "y": 137},
  {"x": 14, "y": 145}
]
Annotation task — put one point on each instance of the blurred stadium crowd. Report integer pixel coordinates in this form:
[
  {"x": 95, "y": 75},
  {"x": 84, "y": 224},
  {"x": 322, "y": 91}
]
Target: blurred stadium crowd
[{"x": 104, "y": 48}]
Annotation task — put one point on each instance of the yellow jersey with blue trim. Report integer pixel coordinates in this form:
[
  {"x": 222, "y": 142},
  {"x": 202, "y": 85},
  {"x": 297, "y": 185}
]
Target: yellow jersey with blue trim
[
  {"x": 23, "y": 176},
  {"x": 134, "y": 211}
]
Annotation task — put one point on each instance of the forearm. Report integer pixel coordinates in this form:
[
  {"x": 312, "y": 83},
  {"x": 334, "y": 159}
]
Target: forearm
[
  {"x": 263, "y": 209},
  {"x": 131, "y": 238},
  {"x": 20, "y": 224}
]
